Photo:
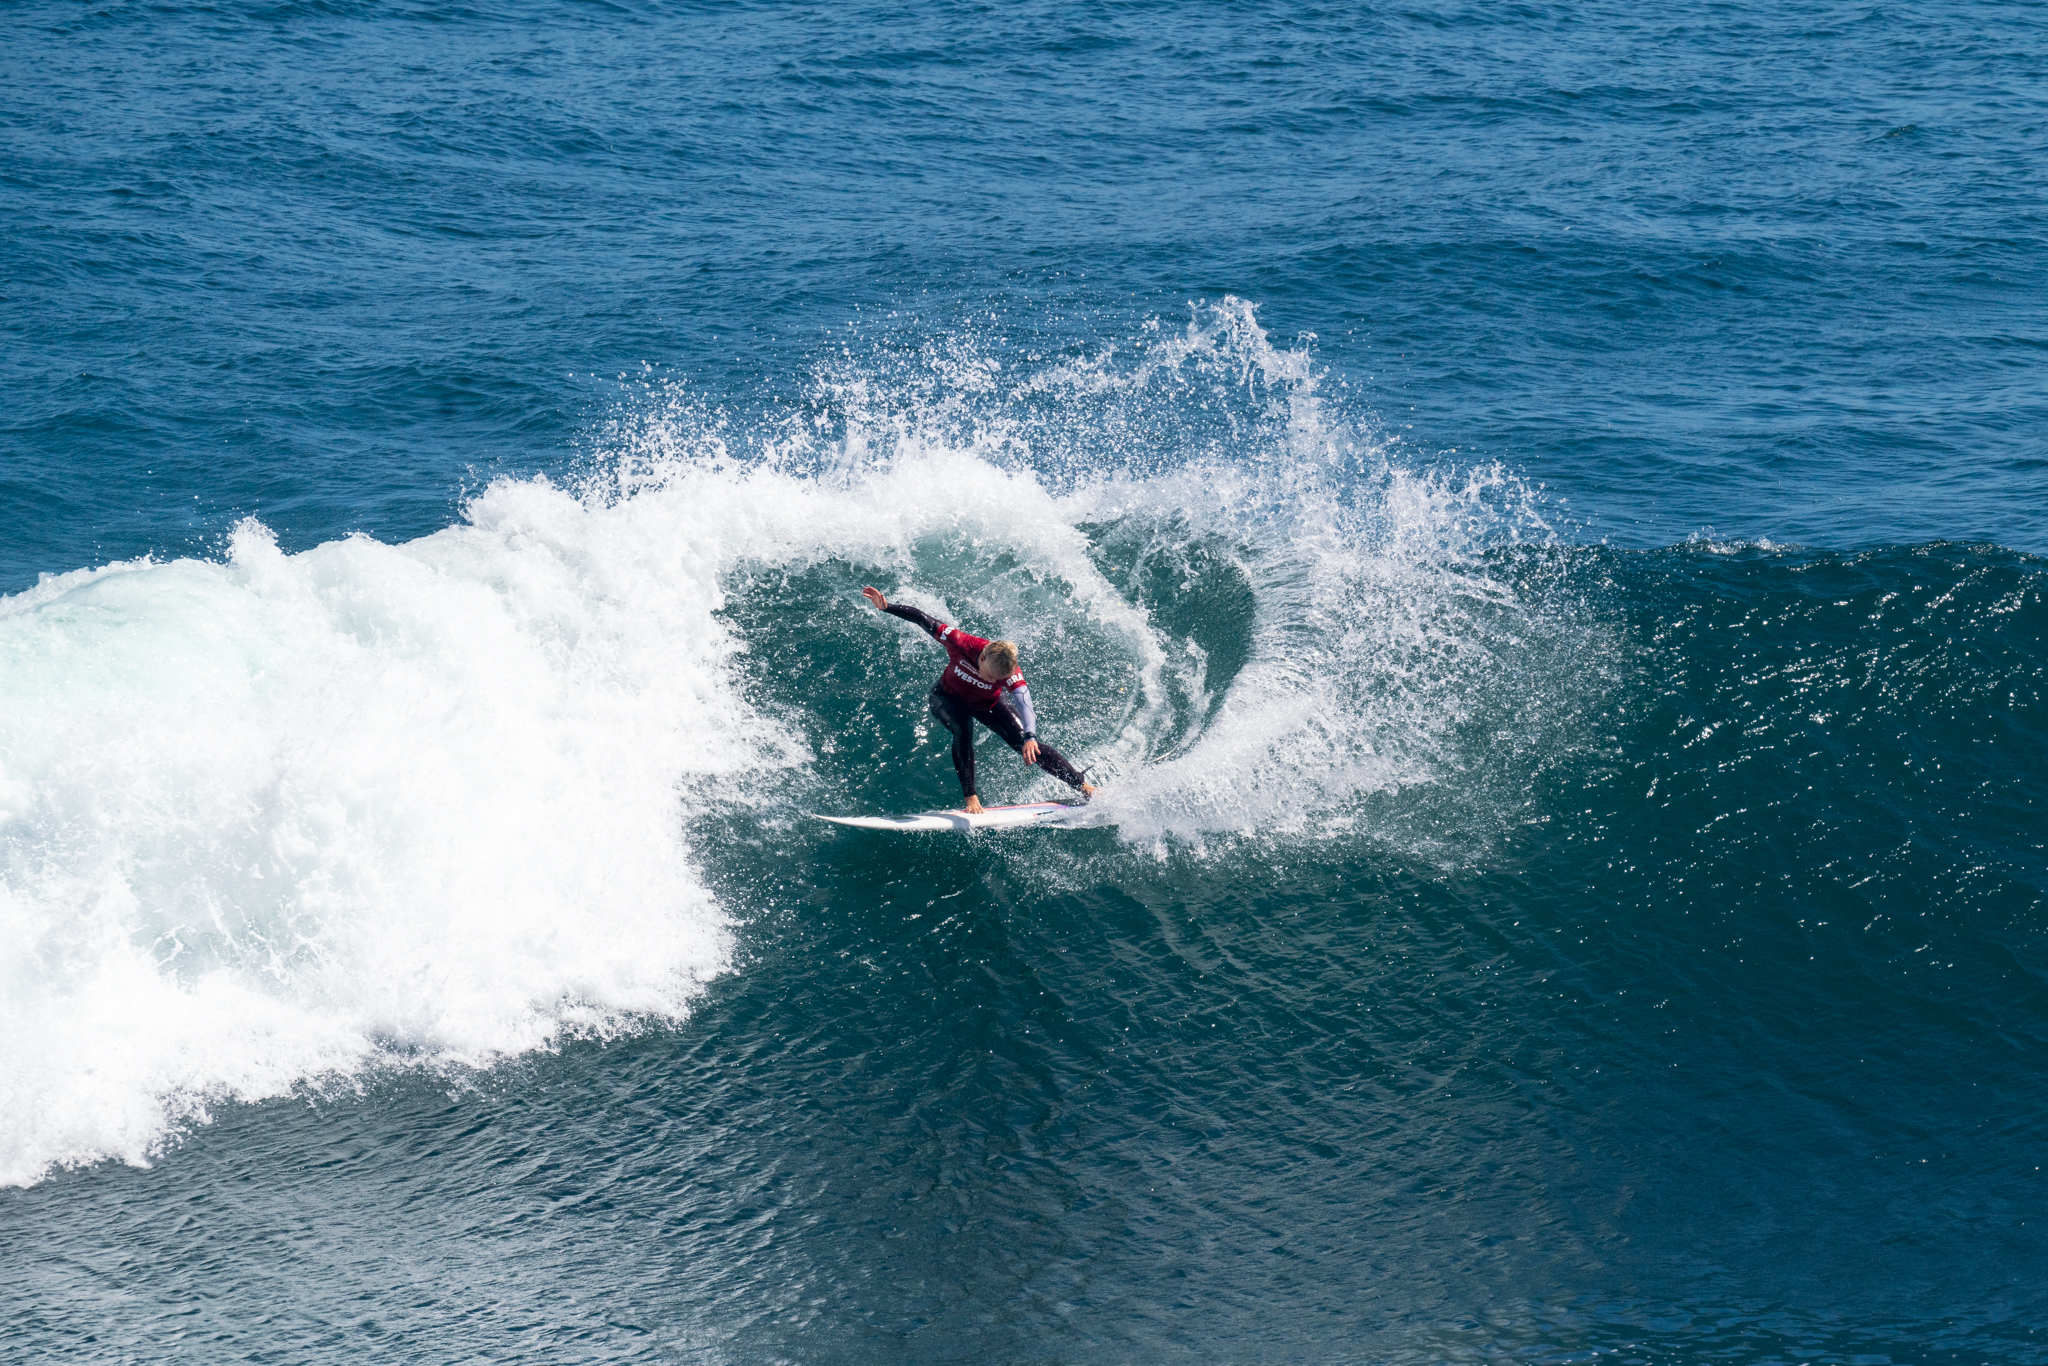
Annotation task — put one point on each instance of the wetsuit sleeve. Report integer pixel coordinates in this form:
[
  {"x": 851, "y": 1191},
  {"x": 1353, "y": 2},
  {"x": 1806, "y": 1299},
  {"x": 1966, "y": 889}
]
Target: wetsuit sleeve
[
  {"x": 952, "y": 637},
  {"x": 1020, "y": 698},
  {"x": 931, "y": 625}
]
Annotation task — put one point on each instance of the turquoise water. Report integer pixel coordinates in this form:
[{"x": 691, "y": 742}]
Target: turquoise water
[{"x": 1533, "y": 515}]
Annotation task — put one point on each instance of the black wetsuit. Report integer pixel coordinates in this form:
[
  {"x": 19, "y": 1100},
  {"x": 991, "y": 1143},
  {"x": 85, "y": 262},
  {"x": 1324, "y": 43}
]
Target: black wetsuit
[{"x": 961, "y": 697}]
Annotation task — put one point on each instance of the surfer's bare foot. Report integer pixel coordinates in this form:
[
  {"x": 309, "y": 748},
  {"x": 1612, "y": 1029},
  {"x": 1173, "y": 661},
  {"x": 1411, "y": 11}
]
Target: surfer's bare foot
[
  {"x": 974, "y": 806},
  {"x": 1087, "y": 789}
]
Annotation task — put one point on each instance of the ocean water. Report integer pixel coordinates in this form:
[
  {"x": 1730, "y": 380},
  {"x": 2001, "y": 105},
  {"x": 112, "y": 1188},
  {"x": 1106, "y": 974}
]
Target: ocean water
[{"x": 1534, "y": 516}]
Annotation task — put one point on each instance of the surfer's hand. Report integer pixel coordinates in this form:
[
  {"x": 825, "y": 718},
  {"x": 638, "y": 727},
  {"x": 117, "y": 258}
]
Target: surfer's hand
[
  {"x": 874, "y": 595},
  {"x": 974, "y": 806},
  {"x": 1031, "y": 751}
]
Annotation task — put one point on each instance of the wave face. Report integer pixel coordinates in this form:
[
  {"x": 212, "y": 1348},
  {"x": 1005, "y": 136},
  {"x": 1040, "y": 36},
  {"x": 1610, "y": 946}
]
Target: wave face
[
  {"x": 1463, "y": 903},
  {"x": 275, "y": 820}
]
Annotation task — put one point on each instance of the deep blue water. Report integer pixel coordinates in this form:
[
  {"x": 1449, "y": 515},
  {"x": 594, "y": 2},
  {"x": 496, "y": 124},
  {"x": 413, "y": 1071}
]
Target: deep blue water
[{"x": 1533, "y": 513}]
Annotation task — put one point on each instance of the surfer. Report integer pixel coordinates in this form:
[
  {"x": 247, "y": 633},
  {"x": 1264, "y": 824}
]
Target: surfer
[{"x": 982, "y": 683}]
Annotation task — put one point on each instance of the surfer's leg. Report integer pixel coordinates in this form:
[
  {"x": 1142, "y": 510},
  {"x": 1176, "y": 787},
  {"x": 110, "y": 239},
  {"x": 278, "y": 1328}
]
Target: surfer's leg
[
  {"x": 1004, "y": 722},
  {"x": 954, "y": 717}
]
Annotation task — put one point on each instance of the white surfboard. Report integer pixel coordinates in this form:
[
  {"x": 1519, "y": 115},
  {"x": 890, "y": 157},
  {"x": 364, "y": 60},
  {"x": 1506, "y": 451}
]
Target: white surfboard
[{"x": 990, "y": 818}]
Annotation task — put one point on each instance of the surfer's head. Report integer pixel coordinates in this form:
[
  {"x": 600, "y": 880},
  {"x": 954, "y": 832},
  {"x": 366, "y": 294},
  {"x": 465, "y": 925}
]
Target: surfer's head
[{"x": 999, "y": 660}]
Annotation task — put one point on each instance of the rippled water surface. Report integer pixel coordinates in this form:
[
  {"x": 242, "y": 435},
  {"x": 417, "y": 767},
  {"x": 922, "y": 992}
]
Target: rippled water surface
[{"x": 1532, "y": 514}]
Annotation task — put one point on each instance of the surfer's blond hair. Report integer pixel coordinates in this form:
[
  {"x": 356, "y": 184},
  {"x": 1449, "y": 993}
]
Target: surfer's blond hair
[{"x": 1002, "y": 654}]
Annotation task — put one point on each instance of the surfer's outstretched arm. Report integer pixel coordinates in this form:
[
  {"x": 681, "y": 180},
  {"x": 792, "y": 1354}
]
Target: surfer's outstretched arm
[
  {"x": 930, "y": 624},
  {"x": 924, "y": 621}
]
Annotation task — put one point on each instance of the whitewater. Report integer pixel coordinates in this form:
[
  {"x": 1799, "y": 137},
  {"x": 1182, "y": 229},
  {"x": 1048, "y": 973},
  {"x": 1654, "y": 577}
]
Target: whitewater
[{"x": 273, "y": 820}]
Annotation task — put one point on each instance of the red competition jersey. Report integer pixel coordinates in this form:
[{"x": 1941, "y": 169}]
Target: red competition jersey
[{"x": 962, "y": 677}]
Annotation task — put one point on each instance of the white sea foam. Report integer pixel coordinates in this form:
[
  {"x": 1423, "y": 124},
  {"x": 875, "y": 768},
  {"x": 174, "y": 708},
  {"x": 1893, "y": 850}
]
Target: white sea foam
[
  {"x": 1381, "y": 635},
  {"x": 288, "y": 817},
  {"x": 279, "y": 817}
]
